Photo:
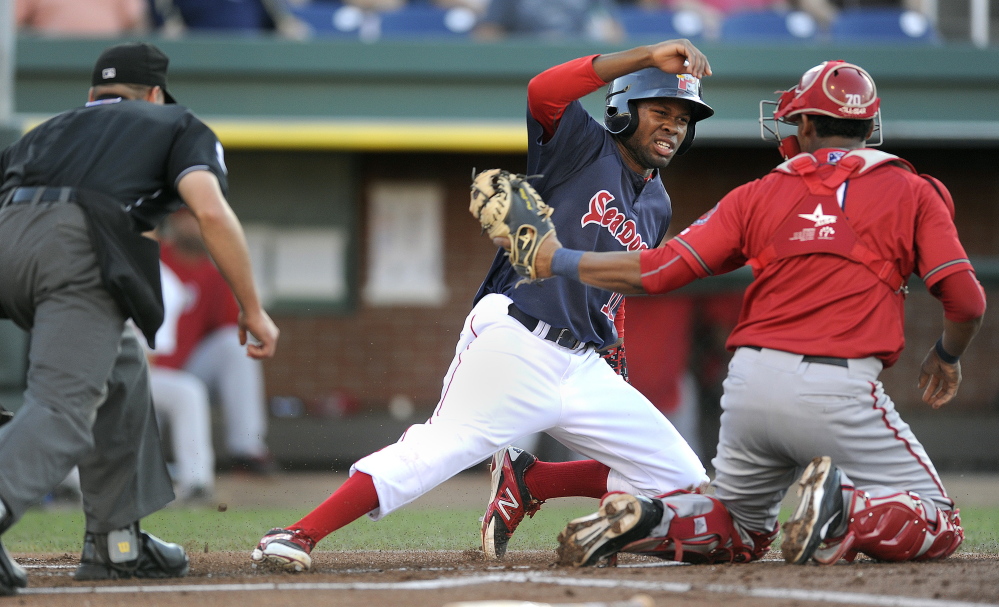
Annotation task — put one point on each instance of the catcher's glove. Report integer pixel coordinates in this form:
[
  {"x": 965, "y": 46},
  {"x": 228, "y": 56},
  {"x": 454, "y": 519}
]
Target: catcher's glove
[{"x": 507, "y": 206}]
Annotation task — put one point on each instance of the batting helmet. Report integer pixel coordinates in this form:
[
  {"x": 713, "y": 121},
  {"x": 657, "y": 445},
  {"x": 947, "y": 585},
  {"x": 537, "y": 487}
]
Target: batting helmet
[
  {"x": 621, "y": 115},
  {"x": 833, "y": 88}
]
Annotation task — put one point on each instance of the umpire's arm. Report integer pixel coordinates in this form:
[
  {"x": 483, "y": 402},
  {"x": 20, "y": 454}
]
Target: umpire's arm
[{"x": 223, "y": 235}]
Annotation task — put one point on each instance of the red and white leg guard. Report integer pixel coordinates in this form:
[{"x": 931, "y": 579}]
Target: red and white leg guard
[
  {"x": 700, "y": 530},
  {"x": 893, "y": 528}
]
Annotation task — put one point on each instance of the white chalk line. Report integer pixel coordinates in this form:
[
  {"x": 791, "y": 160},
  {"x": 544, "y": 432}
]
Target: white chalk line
[{"x": 829, "y": 596}]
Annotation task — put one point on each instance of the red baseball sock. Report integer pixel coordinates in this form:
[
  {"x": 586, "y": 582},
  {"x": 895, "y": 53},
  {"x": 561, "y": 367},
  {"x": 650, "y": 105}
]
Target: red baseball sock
[
  {"x": 586, "y": 478},
  {"x": 351, "y": 501}
]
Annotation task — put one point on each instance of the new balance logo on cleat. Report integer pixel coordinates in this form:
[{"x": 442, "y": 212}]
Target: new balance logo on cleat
[{"x": 509, "y": 500}]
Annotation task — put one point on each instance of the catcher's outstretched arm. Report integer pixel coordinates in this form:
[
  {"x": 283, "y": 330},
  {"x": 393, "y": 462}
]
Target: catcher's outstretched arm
[{"x": 620, "y": 272}]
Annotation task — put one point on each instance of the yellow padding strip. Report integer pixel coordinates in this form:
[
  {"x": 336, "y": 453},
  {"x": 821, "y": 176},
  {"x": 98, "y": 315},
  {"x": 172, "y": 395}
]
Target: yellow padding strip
[{"x": 374, "y": 135}]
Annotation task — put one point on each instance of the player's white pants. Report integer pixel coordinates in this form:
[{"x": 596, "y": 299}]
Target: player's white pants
[
  {"x": 182, "y": 399},
  {"x": 505, "y": 383},
  {"x": 237, "y": 381},
  {"x": 779, "y": 412}
]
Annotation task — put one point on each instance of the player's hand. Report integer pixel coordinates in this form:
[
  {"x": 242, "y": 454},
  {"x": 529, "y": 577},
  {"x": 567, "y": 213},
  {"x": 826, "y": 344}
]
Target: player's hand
[
  {"x": 938, "y": 380},
  {"x": 680, "y": 57},
  {"x": 262, "y": 330},
  {"x": 543, "y": 259}
]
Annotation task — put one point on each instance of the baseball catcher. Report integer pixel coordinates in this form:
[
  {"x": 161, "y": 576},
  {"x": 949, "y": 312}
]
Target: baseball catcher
[{"x": 508, "y": 207}]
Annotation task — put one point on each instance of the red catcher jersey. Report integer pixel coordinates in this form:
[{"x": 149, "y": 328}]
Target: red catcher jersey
[
  {"x": 824, "y": 304},
  {"x": 209, "y": 305}
]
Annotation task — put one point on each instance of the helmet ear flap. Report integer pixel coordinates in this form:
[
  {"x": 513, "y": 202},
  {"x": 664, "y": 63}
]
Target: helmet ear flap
[
  {"x": 688, "y": 139},
  {"x": 622, "y": 124}
]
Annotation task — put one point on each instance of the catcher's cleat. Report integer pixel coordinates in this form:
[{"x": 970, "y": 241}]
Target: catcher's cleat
[
  {"x": 286, "y": 549},
  {"x": 509, "y": 500},
  {"x": 820, "y": 510},
  {"x": 595, "y": 540},
  {"x": 12, "y": 575},
  {"x": 129, "y": 552}
]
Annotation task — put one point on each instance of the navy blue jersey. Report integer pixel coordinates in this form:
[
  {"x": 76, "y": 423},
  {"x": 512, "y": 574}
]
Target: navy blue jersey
[
  {"x": 600, "y": 205},
  {"x": 132, "y": 151}
]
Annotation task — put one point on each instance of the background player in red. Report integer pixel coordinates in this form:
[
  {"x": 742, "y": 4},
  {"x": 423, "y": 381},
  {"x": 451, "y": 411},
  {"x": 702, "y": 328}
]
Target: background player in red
[
  {"x": 528, "y": 359},
  {"x": 206, "y": 344},
  {"x": 832, "y": 235}
]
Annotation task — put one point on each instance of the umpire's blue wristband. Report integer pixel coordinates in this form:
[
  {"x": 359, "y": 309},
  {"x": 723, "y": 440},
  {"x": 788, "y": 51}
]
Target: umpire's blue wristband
[
  {"x": 945, "y": 356},
  {"x": 565, "y": 262}
]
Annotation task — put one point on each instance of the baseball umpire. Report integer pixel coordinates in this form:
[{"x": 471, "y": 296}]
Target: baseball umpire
[
  {"x": 832, "y": 235},
  {"x": 77, "y": 192},
  {"x": 527, "y": 358}
]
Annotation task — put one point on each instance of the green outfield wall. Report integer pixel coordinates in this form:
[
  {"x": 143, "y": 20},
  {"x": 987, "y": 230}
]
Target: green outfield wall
[{"x": 335, "y": 94}]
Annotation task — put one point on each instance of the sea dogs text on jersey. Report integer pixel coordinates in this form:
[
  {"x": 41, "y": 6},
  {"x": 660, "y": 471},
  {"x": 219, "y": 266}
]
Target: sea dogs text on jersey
[{"x": 623, "y": 229}]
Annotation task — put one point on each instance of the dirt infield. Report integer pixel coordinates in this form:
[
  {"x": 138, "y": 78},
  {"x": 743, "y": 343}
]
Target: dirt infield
[{"x": 434, "y": 578}]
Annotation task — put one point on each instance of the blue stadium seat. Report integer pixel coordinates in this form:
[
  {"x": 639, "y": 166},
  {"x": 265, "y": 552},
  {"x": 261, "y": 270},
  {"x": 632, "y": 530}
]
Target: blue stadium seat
[
  {"x": 423, "y": 20},
  {"x": 660, "y": 24},
  {"x": 332, "y": 19},
  {"x": 882, "y": 25},
  {"x": 769, "y": 26}
]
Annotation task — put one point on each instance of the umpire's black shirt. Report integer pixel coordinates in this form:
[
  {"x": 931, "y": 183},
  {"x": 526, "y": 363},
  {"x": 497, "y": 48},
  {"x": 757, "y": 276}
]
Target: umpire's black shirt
[{"x": 132, "y": 151}]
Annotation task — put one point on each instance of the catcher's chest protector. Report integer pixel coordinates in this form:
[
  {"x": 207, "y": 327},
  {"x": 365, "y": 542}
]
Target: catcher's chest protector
[{"x": 817, "y": 224}]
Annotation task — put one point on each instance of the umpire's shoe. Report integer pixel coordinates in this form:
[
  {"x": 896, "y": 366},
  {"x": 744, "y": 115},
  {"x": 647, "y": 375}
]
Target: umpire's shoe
[
  {"x": 287, "y": 549},
  {"x": 509, "y": 500},
  {"x": 595, "y": 540},
  {"x": 129, "y": 552},
  {"x": 12, "y": 575},
  {"x": 820, "y": 510}
]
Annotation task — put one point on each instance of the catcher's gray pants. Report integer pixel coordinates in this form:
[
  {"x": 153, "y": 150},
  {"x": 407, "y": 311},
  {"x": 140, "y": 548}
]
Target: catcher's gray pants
[
  {"x": 779, "y": 412},
  {"x": 87, "y": 401}
]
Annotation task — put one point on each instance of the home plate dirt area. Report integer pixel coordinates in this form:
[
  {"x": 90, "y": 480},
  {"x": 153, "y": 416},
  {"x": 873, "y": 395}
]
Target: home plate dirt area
[
  {"x": 424, "y": 578},
  {"x": 435, "y": 578}
]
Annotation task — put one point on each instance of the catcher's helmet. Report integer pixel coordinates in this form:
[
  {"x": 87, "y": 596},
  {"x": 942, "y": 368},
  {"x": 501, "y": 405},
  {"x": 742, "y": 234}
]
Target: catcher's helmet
[
  {"x": 621, "y": 115},
  {"x": 833, "y": 88}
]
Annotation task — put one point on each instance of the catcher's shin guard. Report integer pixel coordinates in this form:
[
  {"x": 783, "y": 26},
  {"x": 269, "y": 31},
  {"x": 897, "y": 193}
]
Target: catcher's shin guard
[
  {"x": 700, "y": 530},
  {"x": 893, "y": 528}
]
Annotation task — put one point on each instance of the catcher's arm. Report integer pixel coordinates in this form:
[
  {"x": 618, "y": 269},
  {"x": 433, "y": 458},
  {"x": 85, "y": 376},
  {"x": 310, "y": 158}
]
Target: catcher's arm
[{"x": 940, "y": 373}]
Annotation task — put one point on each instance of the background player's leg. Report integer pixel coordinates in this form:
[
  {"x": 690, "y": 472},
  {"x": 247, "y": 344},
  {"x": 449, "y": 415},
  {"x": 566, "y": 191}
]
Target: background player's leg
[
  {"x": 181, "y": 400},
  {"x": 236, "y": 380}
]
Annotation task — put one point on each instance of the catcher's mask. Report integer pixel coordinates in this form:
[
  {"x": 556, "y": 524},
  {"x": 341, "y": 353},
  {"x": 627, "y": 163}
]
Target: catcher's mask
[
  {"x": 833, "y": 88},
  {"x": 621, "y": 115}
]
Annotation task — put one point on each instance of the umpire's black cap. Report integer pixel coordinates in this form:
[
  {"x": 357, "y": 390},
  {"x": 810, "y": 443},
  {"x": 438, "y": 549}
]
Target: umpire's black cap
[{"x": 133, "y": 63}]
